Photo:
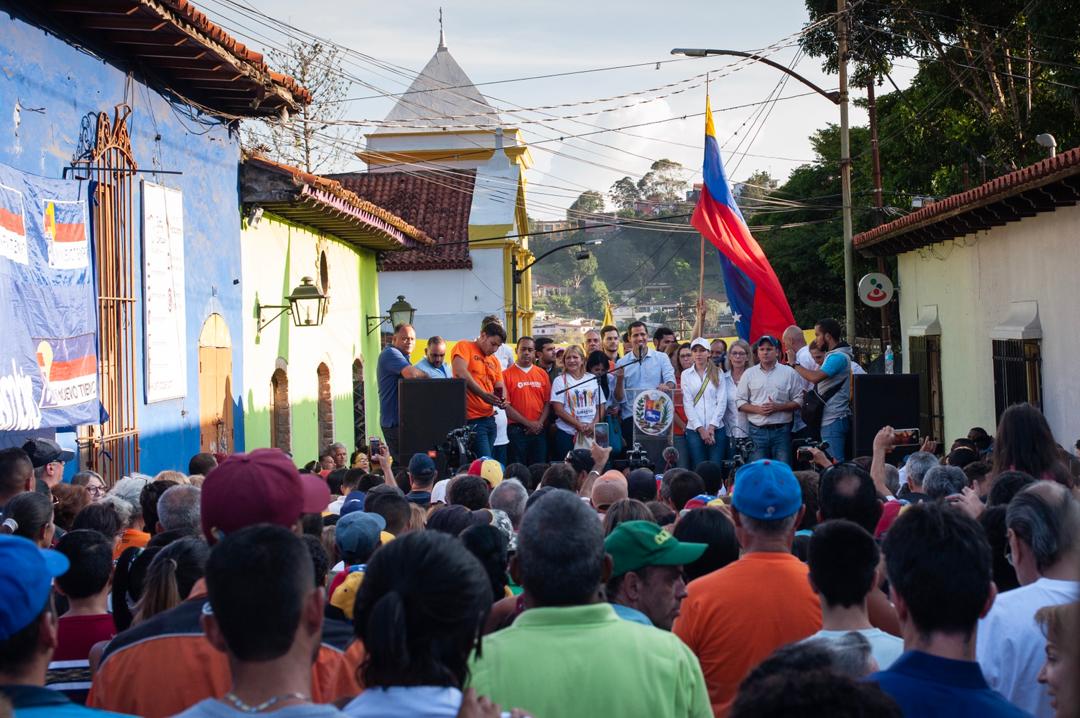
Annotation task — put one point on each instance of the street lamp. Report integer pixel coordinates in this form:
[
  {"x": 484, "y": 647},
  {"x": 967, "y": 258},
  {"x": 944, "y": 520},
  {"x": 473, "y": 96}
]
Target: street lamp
[
  {"x": 839, "y": 98},
  {"x": 307, "y": 305},
  {"x": 400, "y": 312},
  {"x": 516, "y": 273}
]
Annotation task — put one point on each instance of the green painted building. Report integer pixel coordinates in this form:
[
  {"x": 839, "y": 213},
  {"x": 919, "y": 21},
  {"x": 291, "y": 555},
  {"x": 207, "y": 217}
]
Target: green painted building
[{"x": 309, "y": 383}]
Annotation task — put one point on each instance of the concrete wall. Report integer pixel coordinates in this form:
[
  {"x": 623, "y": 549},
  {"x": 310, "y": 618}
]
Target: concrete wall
[
  {"x": 972, "y": 280},
  {"x": 451, "y": 302},
  {"x": 58, "y": 87},
  {"x": 276, "y": 255}
]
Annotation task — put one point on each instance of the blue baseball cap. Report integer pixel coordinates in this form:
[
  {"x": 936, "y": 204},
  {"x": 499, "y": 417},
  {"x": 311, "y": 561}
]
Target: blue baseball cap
[
  {"x": 26, "y": 575},
  {"x": 767, "y": 490},
  {"x": 353, "y": 502},
  {"x": 358, "y": 533},
  {"x": 421, "y": 465}
]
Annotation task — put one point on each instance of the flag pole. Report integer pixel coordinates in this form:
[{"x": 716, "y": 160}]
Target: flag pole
[{"x": 699, "y": 324}]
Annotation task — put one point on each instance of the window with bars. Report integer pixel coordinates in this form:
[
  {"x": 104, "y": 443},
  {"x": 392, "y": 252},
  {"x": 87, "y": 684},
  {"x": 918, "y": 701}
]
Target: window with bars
[
  {"x": 925, "y": 360},
  {"x": 1017, "y": 373}
]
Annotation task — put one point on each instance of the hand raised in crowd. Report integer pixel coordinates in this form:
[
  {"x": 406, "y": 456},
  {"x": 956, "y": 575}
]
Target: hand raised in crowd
[
  {"x": 600, "y": 455},
  {"x": 884, "y": 439},
  {"x": 967, "y": 501},
  {"x": 928, "y": 445},
  {"x": 819, "y": 457}
]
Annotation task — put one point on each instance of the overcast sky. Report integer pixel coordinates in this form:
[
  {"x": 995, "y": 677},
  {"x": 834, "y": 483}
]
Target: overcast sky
[{"x": 497, "y": 41}]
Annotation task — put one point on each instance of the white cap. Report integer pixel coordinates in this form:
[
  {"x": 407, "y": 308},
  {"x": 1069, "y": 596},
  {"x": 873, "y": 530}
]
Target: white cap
[{"x": 701, "y": 342}]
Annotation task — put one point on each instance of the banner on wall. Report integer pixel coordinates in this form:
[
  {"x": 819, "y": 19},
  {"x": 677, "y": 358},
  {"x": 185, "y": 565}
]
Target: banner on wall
[
  {"x": 48, "y": 354},
  {"x": 164, "y": 312}
]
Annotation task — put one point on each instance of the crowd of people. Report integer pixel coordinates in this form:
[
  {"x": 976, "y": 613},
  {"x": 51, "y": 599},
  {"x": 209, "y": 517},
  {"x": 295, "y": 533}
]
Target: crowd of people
[{"x": 937, "y": 583}]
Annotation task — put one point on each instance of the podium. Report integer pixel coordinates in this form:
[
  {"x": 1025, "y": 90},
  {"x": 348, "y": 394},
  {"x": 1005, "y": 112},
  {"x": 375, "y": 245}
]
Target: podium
[{"x": 428, "y": 409}]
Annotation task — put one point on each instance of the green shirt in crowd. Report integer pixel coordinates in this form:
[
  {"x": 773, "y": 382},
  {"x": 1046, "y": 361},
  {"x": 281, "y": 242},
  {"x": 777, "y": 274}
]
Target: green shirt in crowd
[{"x": 585, "y": 661}]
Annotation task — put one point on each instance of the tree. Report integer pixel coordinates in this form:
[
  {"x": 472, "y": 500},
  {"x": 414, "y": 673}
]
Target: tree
[
  {"x": 311, "y": 140},
  {"x": 624, "y": 194},
  {"x": 589, "y": 202},
  {"x": 663, "y": 183}
]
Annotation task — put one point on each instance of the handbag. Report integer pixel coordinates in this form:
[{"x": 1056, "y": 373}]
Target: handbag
[{"x": 813, "y": 407}]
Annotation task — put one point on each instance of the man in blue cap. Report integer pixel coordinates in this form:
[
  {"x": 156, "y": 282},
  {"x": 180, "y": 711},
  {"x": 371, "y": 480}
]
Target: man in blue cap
[
  {"x": 28, "y": 629},
  {"x": 422, "y": 475},
  {"x": 733, "y": 618}
]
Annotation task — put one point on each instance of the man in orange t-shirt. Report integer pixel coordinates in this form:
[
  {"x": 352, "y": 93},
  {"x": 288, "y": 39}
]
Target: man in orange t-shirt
[
  {"x": 733, "y": 618},
  {"x": 528, "y": 389},
  {"x": 476, "y": 363}
]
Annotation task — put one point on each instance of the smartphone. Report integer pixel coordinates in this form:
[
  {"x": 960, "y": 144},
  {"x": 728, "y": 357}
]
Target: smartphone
[
  {"x": 908, "y": 437},
  {"x": 375, "y": 443},
  {"x": 803, "y": 454},
  {"x": 600, "y": 434}
]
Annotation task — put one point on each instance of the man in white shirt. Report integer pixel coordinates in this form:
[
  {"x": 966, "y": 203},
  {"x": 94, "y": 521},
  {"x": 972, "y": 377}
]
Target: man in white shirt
[
  {"x": 769, "y": 393},
  {"x": 641, "y": 368},
  {"x": 1043, "y": 524},
  {"x": 795, "y": 341},
  {"x": 843, "y": 559}
]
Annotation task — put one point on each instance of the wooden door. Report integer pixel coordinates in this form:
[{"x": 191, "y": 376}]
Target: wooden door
[{"x": 215, "y": 387}]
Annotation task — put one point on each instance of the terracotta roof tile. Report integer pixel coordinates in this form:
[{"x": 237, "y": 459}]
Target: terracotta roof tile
[
  {"x": 438, "y": 202},
  {"x": 348, "y": 198},
  {"x": 1040, "y": 174},
  {"x": 182, "y": 51}
]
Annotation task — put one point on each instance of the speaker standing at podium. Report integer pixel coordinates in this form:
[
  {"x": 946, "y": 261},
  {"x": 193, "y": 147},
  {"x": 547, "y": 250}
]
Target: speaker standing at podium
[{"x": 393, "y": 365}]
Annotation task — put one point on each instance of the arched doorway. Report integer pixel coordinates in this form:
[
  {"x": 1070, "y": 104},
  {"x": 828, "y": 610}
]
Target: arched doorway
[
  {"x": 280, "y": 411},
  {"x": 215, "y": 387},
  {"x": 359, "y": 424},
  {"x": 325, "y": 416}
]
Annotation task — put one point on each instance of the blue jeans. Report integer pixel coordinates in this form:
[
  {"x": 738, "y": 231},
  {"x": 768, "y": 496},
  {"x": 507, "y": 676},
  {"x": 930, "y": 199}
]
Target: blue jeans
[
  {"x": 700, "y": 451},
  {"x": 484, "y": 439},
  {"x": 771, "y": 442},
  {"x": 526, "y": 448},
  {"x": 835, "y": 432},
  {"x": 679, "y": 442},
  {"x": 563, "y": 444}
]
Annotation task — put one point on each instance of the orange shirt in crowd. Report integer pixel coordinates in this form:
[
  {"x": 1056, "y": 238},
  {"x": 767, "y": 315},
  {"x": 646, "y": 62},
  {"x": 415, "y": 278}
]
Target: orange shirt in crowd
[
  {"x": 165, "y": 665},
  {"x": 130, "y": 538},
  {"x": 527, "y": 391},
  {"x": 732, "y": 619},
  {"x": 485, "y": 370}
]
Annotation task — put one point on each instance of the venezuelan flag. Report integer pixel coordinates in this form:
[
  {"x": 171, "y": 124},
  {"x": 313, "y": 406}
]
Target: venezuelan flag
[{"x": 757, "y": 300}]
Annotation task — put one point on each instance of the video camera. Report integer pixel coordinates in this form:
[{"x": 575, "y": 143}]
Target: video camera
[
  {"x": 802, "y": 449},
  {"x": 638, "y": 458},
  {"x": 744, "y": 447},
  {"x": 457, "y": 449}
]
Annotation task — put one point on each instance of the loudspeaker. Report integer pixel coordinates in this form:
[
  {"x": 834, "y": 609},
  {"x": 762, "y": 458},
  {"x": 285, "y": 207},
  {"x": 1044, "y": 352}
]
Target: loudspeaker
[
  {"x": 883, "y": 400},
  {"x": 428, "y": 409}
]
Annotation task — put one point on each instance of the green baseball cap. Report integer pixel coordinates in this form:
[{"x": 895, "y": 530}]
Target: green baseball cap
[{"x": 637, "y": 544}]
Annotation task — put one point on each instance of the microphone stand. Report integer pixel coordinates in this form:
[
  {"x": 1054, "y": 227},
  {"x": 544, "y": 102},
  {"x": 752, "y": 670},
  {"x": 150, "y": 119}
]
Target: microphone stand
[{"x": 593, "y": 377}]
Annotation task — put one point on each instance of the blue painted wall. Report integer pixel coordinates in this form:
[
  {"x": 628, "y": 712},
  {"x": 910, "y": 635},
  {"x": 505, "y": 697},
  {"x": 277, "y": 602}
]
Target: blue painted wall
[{"x": 58, "y": 86}]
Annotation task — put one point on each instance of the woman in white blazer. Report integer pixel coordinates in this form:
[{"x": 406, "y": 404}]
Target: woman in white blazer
[{"x": 705, "y": 397}]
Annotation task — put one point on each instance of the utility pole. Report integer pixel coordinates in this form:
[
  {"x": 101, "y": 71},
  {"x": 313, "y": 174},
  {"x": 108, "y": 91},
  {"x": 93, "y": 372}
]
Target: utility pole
[
  {"x": 879, "y": 201},
  {"x": 845, "y": 171}
]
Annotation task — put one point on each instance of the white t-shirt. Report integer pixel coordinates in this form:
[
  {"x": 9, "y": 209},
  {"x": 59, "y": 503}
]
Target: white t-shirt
[
  {"x": 1011, "y": 648},
  {"x": 885, "y": 647},
  {"x": 213, "y": 708},
  {"x": 505, "y": 355},
  {"x": 500, "y": 427},
  {"x": 582, "y": 400}
]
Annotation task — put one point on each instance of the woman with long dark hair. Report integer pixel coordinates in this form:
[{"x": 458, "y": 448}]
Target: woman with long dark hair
[
  {"x": 30, "y": 515},
  {"x": 419, "y": 613},
  {"x": 1025, "y": 443}
]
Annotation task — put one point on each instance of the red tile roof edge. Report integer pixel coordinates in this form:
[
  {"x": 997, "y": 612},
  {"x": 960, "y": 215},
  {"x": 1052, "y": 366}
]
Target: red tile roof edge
[
  {"x": 1066, "y": 163},
  {"x": 335, "y": 189},
  {"x": 187, "y": 12}
]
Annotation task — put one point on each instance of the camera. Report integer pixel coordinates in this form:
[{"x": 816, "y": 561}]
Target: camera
[
  {"x": 803, "y": 446},
  {"x": 744, "y": 447},
  {"x": 638, "y": 458},
  {"x": 457, "y": 448}
]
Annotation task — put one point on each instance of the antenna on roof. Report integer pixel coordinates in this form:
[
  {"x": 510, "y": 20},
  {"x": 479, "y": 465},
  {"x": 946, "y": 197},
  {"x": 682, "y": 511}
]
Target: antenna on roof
[{"x": 442, "y": 35}]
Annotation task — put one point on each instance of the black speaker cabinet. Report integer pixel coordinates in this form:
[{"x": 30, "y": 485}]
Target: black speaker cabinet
[
  {"x": 428, "y": 410},
  {"x": 883, "y": 400}
]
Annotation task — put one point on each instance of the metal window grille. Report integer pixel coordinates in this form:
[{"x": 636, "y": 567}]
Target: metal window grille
[
  {"x": 359, "y": 423},
  {"x": 925, "y": 360},
  {"x": 112, "y": 447},
  {"x": 1017, "y": 373}
]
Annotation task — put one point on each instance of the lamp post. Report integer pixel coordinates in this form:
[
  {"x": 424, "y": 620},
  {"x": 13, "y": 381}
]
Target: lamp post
[
  {"x": 516, "y": 275},
  {"x": 838, "y": 98},
  {"x": 307, "y": 305},
  {"x": 400, "y": 312}
]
